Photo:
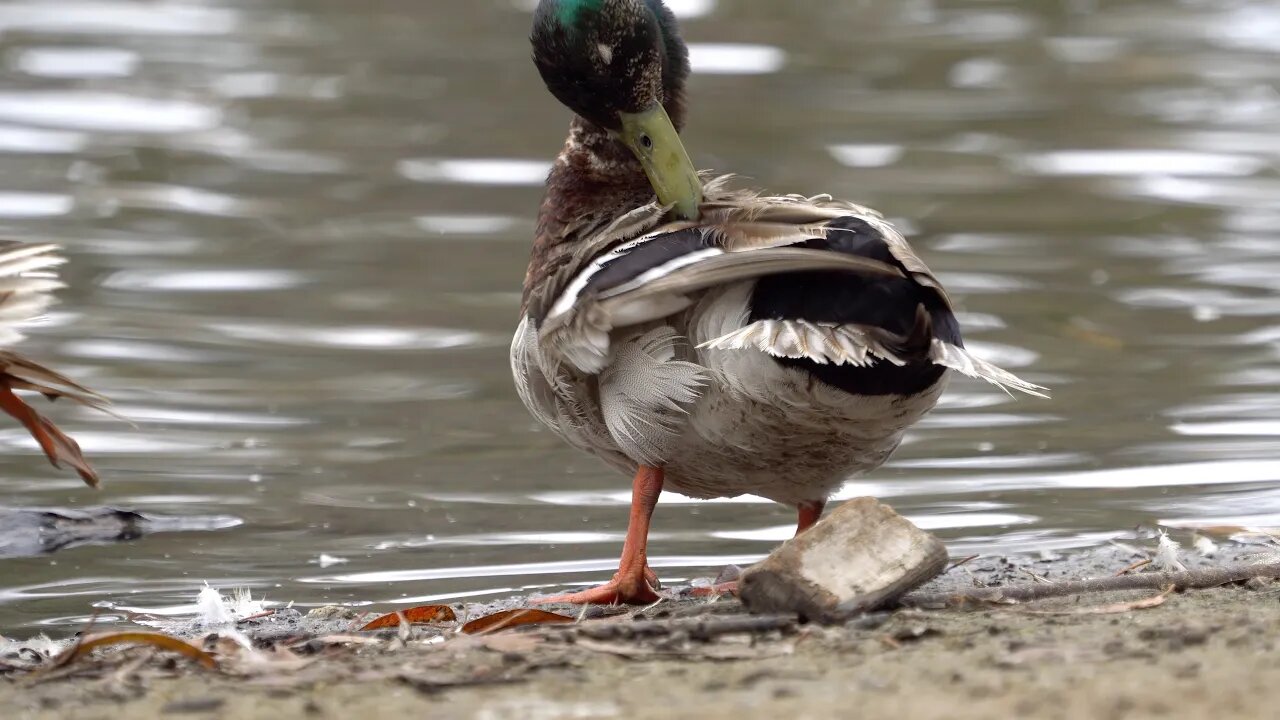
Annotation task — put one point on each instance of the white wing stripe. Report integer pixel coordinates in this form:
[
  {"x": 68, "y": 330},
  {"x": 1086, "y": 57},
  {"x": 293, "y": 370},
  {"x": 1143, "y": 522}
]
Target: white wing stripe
[{"x": 664, "y": 269}]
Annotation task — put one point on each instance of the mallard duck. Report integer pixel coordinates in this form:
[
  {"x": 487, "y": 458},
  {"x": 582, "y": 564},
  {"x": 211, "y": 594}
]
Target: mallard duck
[
  {"x": 27, "y": 280},
  {"x": 710, "y": 341}
]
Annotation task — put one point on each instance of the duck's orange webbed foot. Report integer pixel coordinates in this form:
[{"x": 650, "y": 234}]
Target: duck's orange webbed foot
[{"x": 615, "y": 592}]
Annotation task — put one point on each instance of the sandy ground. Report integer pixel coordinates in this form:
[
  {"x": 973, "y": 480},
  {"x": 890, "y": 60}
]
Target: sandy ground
[{"x": 1195, "y": 654}]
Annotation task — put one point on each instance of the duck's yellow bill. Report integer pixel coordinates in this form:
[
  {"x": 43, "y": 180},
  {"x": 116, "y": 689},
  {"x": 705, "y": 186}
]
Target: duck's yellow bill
[{"x": 655, "y": 142}]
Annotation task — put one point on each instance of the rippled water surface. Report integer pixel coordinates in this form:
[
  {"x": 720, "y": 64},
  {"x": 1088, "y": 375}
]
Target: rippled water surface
[{"x": 297, "y": 232}]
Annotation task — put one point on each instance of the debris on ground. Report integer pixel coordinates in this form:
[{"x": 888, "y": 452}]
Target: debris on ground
[{"x": 950, "y": 640}]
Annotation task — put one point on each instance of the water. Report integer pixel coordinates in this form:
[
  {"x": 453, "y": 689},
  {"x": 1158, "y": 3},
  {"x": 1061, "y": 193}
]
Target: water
[{"x": 297, "y": 232}]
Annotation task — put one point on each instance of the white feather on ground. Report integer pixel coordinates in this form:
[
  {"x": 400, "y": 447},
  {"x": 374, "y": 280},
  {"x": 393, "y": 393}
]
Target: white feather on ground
[
  {"x": 212, "y": 608},
  {"x": 41, "y": 644},
  {"x": 1204, "y": 545},
  {"x": 1166, "y": 557}
]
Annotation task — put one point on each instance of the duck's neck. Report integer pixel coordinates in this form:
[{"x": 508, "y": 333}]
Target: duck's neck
[
  {"x": 595, "y": 178},
  {"x": 593, "y": 172}
]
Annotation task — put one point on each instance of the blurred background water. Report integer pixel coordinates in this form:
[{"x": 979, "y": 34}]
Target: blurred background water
[{"x": 297, "y": 231}]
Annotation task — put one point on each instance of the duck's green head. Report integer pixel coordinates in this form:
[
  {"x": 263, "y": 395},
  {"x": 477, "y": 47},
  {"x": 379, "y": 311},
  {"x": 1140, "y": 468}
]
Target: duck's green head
[{"x": 621, "y": 65}]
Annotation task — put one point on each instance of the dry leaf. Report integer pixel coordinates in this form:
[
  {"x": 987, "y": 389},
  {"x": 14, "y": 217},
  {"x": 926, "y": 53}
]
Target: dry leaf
[
  {"x": 513, "y": 618},
  {"x": 423, "y": 614},
  {"x": 164, "y": 642}
]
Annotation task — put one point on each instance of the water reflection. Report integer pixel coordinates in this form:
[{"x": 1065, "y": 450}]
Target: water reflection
[
  {"x": 735, "y": 59},
  {"x": 106, "y": 112},
  {"x": 34, "y": 205},
  {"x": 117, "y": 18},
  {"x": 57, "y": 62},
  {"x": 297, "y": 234},
  {"x": 476, "y": 171}
]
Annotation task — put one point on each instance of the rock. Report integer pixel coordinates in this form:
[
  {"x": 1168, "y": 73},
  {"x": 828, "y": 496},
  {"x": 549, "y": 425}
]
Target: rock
[
  {"x": 32, "y": 531},
  {"x": 859, "y": 558}
]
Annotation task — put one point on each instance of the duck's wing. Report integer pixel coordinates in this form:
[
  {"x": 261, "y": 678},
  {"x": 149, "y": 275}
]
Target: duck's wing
[
  {"x": 660, "y": 273},
  {"x": 792, "y": 241},
  {"x": 27, "y": 280}
]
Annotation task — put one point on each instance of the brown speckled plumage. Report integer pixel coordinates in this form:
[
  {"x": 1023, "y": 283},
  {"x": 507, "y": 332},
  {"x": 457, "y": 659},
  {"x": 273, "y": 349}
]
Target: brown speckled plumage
[{"x": 594, "y": 180}]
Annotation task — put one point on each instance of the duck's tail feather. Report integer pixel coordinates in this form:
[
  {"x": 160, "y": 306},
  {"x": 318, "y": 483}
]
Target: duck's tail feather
[{"x": 968, "y": 364}]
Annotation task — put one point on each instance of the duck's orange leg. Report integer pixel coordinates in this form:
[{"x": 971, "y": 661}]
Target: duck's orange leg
[
  {"x": 633, "y": 583},
  {"x": 807, "y": 514}
]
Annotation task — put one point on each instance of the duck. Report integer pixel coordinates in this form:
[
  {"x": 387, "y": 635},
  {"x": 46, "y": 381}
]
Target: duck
[
  {"x": 28, "y": 279},
  {"x": 705, "y": 339}
]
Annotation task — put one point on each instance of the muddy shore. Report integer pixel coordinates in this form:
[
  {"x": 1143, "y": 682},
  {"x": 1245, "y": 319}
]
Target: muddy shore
[{"x": 1130, "y": 654}]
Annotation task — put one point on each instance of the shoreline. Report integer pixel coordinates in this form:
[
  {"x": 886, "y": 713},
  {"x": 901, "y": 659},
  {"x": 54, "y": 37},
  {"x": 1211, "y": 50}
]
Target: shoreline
[{"x": 1117, "y": 654}]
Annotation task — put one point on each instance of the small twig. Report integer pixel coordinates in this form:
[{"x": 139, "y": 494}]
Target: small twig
[
  {"x": 1120, "y": 607},
  {"x": 1189, "y": 579},
  {"x": 1038, "y": 578},
  {"x": 122, "y": 675},
  {"x": 642, "y": 610},
  {"x": 698, "y": 629},
  {"x": 263, "y": 614},
  {"x": 1135, "y": 566},
  {"x": 961, "y": 561},
  {"x": 336, "y": 639},
  {"x": 974, "y": 578}
]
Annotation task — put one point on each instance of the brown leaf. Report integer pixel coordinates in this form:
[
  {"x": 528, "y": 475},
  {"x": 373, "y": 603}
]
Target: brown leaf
[
  {"x": 513, "y": 618},
  {"x": 422, "y": 614},
  {"x": 164, "y": 642}
]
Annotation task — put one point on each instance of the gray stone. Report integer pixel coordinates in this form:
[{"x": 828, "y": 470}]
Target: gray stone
[
  {"x": 861, "y": 557},
  {"x": 33, "y": 531}
]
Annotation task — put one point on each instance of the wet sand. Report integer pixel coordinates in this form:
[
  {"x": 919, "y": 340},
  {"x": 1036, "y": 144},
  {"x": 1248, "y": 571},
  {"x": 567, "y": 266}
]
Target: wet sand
[{"x": 1103, "y": 655}]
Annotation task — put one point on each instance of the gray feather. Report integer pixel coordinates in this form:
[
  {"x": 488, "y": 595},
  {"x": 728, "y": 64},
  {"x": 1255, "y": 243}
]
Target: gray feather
[{"x": 644, "y": 393}]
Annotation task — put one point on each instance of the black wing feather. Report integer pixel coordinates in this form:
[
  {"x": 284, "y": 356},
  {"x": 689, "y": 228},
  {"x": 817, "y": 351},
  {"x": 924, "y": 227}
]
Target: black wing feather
[{"x": 888, "y": 303}]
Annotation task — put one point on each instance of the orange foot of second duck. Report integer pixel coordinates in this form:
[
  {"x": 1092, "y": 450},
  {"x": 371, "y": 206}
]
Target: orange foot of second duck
[{"x": 808, "y": 515}]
